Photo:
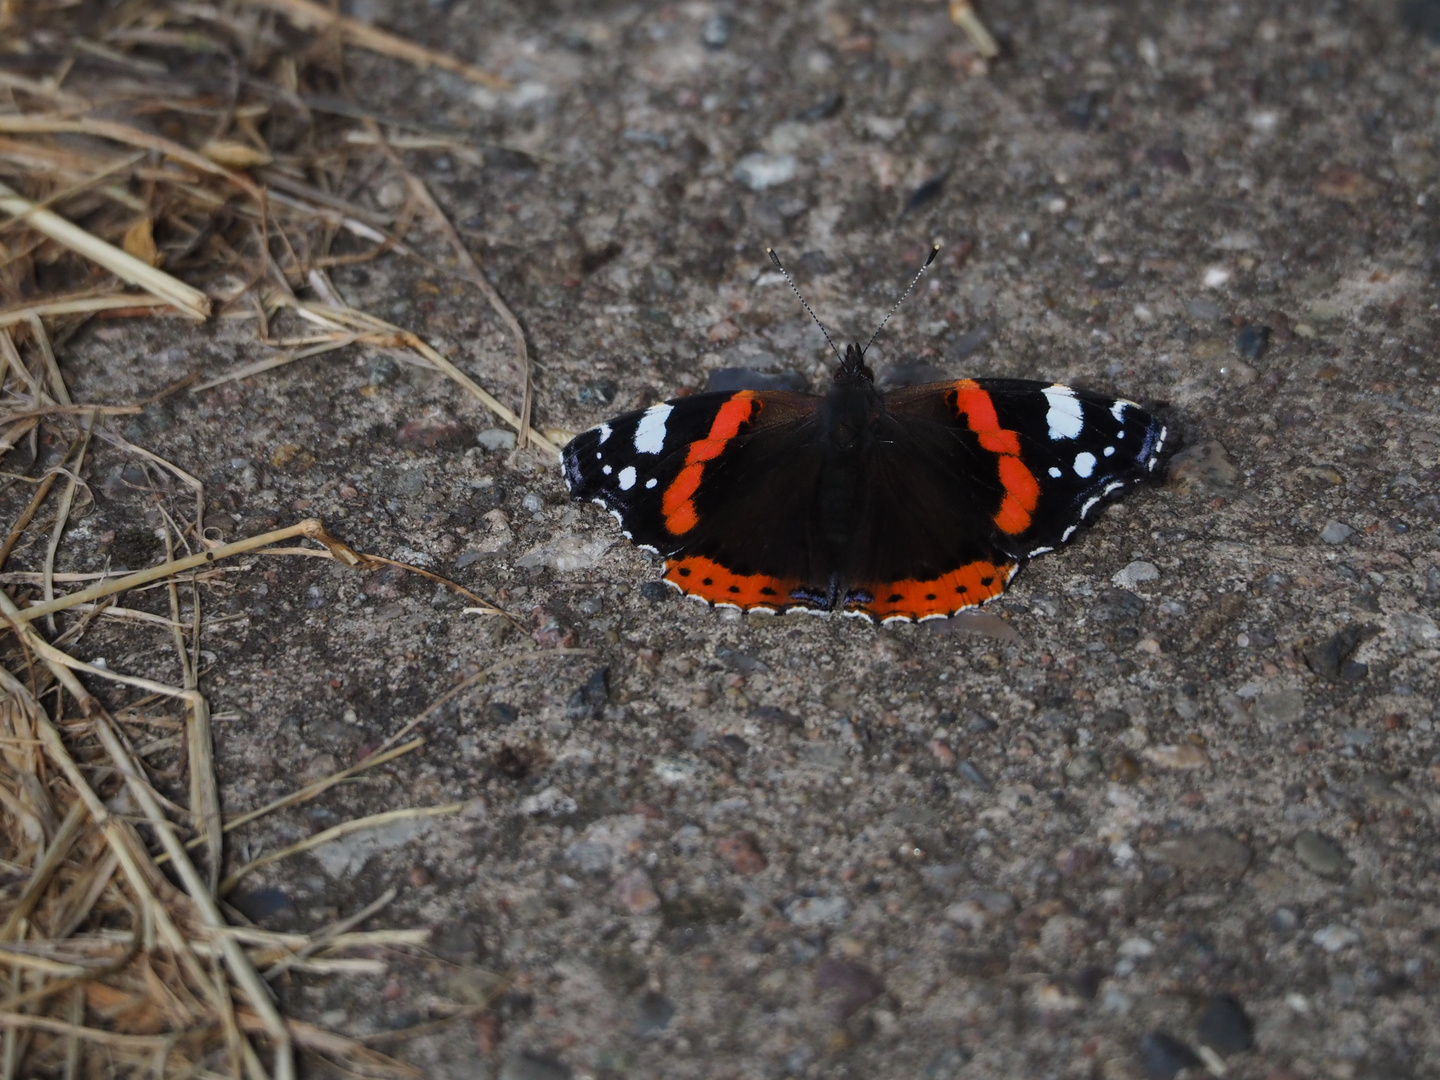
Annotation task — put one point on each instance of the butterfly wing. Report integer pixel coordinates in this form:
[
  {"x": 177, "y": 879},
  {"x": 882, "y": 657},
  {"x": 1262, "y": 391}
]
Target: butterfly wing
[
  {"x": 742, "y": 538},
  {"x": 973, "y": 477}
]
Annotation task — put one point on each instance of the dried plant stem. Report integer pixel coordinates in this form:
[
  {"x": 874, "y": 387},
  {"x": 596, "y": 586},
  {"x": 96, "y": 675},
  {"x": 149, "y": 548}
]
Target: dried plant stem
[
  {"x": 312, "y": 16},
  {"x": 123, "y": 265},
  {"x": 311, "y": 528},
  {"x": 79, "y": 305},
  {"x": 962, "y": 14},
  {"x": 235, "y": 958},
  {"x": 388, "y": 334},
  {"x": 374, "y": 821}
]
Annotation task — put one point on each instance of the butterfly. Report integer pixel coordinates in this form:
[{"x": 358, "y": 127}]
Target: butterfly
[{"x": 895, "y": 507}]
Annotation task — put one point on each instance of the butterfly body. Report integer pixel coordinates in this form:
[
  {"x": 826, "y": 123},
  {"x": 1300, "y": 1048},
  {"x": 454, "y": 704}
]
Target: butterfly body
[{"x": 903, "y": 506}]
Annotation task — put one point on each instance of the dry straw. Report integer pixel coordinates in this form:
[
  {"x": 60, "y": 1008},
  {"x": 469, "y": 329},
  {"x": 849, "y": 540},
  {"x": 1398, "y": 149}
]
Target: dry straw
[{"x": 133, "y": 185}]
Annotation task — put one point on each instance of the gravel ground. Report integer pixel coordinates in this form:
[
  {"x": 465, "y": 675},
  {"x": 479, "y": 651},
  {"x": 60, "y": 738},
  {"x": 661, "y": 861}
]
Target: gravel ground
[{"x": 1176, "y": 800}]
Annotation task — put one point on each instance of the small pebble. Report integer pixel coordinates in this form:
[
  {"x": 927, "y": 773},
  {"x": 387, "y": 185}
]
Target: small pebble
[
  {"x": 1331, "y": 657},
  {"x": 1165, "y": 1056},
  {"x": 1321, "y": 855},
  {"x": 1209, "y": 851},
  {"x": 715, "y": 34},
  {"x": 634, "y": 892},
  {"x": 1335, "y": 937},
  {"x": 857, "y": 983},
  {"x": 1285, "y": 921},
  {"x": 1203, "y": 309},
  {"x": 1252, "y": 341},
  {"x": 588, "y": 701},
  {"x": 761, "y": 171},
  {"x": 1135, "y": 573},
  {"x": 1084, "y": 766},
  {"x": 654, "y": 1011},
  {"x": 741, "y": 852},
  {"x": 819, "y": 911},
  {"x": 1279, "y": 708},
  {"x": 1224, "y": 1027},
  {"x": 1205, "y": 469},
  {"x": 1184, "y": 756},
  {"x": 1336, "y": 532},
  {"x": 496, "y": 439}
]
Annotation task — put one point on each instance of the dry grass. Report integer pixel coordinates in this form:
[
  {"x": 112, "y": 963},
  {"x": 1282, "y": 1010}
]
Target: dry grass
[{"x": 171, "y": 158}]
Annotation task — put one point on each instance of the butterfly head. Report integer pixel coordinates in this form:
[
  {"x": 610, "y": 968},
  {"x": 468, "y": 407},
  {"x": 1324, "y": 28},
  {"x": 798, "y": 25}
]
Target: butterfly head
[{"x": 853, "y": 370}]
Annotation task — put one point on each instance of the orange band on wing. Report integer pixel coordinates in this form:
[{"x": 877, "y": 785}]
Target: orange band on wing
[
  {"x": 971, "y": 584},
  {"x": 1022, "y": 490},
  {"x": 699, "y": 576},
  {"x": 678, "y": 504}
]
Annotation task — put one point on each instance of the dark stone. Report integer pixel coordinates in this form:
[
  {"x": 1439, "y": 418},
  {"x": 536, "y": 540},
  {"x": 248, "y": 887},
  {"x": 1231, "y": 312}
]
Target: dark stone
[
  {"x": 858, "y": 984},
  {"x": 1224, "y": 1027},
  {"x": 731, "y": 379},
  {"x": 816, "y": 263},
  {"x": 823, "y": 109},
  {"x": 1252, "y": 341},
  {"x": 1116, "y": 605},
  {"x": 589, "y": 700},
  {"x": 1170, "y": 158},
  {"x": 774, "y": 715},
  {"x": 654, "y": 1011},
  {"x": 1088, "y": 980},
  {"x": 980, "y": 724},
  {"x": 656, "y": 590},
  {"x": 741, "y": 662},
  {"x": 1330, "y": 658},
  {"x": 969, "y": 342},
  {"x": 969, "y": 772},
  {"x": 269, "y": 906},
  {"x": 381, "y": 370},
  {"x": 1165, "y": 1056},
  {"x": 1079, "y": 111},
  {"x": 597, "y": 392},
  {"x": 499, "y": 714},
  {"x": 927, "y": 192},
  {"x": 457, "y": 942}
]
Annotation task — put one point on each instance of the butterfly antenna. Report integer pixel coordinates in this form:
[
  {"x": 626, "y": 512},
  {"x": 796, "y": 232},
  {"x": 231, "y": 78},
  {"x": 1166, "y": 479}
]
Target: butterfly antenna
[
  {"x": 934, "y": 250},
  {"x": 795, "y": 289}
]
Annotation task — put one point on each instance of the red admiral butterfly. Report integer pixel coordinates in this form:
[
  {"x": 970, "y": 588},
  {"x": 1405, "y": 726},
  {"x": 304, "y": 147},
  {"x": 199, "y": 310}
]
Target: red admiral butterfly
[{"x": 902, "y": 506}]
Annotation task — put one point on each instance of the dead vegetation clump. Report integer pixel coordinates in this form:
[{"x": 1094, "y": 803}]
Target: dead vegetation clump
[{"x": 199, "y": 161}]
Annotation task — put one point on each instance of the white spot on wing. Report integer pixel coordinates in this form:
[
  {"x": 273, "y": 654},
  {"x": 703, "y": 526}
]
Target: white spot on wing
[
  {"x": 651, "y": 482},
  {"x": 1056, "y": 473},
  {"x": 1089, "y": 505},
  {"x": 627, "y": 477},
  {"x": 1084, "y": 465},
  {"x": 1067, "y": 534},
  {"x": 1117, "y": 410},
  {"x": 1041, "y": 551},
  {"x": 605, "y": 469},
  {"x": 1115, "y": 486},
  {"x": 1109, "y": 450},
  {"x": 1064, "y": 417},
  {"x": 650, "y": 432},
  {"x": 604, "y": 430}
]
